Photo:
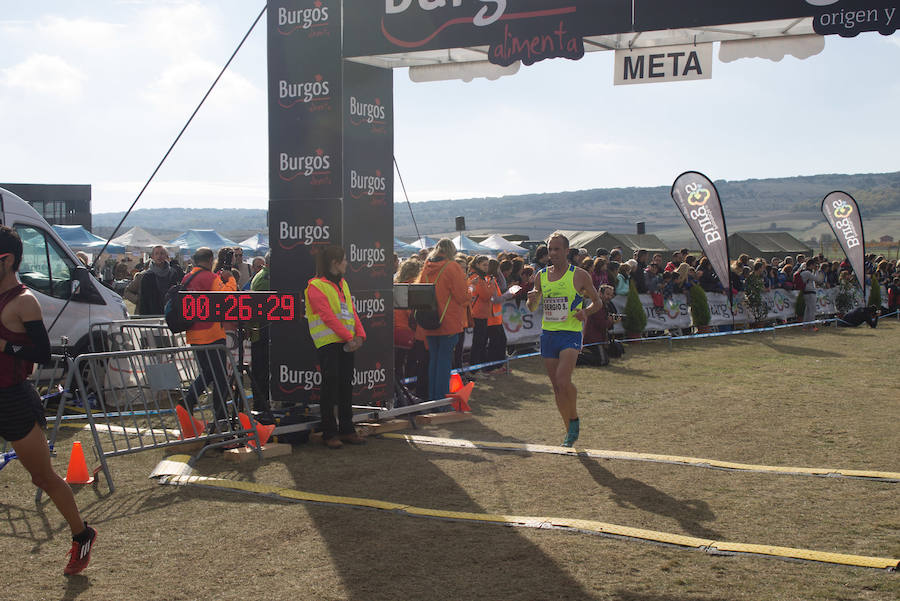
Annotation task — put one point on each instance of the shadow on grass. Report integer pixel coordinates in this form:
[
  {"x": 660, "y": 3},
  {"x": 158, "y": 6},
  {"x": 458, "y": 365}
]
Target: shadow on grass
[
  {"x": 384, "y": 556},
  {"x": 800, "y": 350},
  {"x": 621, "y": 595},
  {"x": 75, "y": 585},
  {"x": 628, "y": 492}
]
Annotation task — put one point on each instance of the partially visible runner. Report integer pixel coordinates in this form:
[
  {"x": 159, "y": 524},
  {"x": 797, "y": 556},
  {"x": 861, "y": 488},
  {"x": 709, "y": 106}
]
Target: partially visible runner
[
  {"x": 563, "y": 288},
  {"x": 23, "y": 342}
]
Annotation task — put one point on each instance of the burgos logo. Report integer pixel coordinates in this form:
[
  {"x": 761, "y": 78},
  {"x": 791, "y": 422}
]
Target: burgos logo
[
  {"x": 316, "y": 165},
  {"x": 842, "y": 209},
  {"x": 316, "y": 93},
  {"x": 291, "y": 236},
  {"x": 369, "y": 307},
  {"x": 313, "y": 20},
  {"x": 371, "y": 377},
  {"x": 370, "y": 257},
  {"x": 843, "y": 223},
  {"x": 699, "y": 197},
  {"x": 364, "y": 112},
  {"x": 373, "y": 186},
  {"x": 303, "y": 380}
]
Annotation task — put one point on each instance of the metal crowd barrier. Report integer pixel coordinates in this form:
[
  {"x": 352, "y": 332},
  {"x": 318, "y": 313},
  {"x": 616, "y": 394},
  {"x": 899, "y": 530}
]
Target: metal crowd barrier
[
  {"x": 130, "y": 400},
  {"x": 133, "y": 334}
]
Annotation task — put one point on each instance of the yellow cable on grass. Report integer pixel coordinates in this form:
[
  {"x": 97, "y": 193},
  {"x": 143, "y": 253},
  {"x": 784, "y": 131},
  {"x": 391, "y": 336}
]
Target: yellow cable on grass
[
  {"x": 628, "y": 456},
  {"x": 173, "y": 471}
]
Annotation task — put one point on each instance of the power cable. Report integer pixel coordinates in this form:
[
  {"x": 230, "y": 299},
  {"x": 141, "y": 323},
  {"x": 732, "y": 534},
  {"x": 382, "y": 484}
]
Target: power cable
[
  {"x": 169, "y": 151},
  {"x": 408, "y": 204}
]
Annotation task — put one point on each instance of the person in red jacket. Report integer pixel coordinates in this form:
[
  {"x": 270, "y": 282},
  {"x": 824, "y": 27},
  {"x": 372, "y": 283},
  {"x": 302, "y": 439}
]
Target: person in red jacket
[
  {"x": 337, "y": 333},
  {"x": 23, "y": 342}
]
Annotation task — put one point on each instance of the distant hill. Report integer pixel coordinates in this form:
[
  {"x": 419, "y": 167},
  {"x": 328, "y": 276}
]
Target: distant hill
[{"x": 782, "y": 204}]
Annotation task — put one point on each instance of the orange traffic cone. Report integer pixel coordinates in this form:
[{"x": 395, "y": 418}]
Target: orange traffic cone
[
  {"x": 191, "y": 427},
  {"x": 263, "y": 432},
  {"x": 461, "y": 397},
  {"x": 78, "y": 470},
  {"x": 455, "y": 383}
]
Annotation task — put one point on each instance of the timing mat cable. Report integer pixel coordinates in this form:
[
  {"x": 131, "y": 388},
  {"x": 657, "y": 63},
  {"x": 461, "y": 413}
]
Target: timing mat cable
[
  {"x": 880, "y": 476},
  {"x": 175, "y": 471}
]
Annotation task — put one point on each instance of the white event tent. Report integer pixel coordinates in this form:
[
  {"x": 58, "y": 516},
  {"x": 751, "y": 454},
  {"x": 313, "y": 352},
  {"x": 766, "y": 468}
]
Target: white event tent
[
  {"x": 138, "y": 239},
  {"x": 501, "y": 244}
]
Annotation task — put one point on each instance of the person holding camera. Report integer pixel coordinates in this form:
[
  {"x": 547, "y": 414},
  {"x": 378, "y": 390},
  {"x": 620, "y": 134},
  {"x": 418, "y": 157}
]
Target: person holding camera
[
  {"x": 211, "y": 361},
  {"x": 337, "y": 334}
]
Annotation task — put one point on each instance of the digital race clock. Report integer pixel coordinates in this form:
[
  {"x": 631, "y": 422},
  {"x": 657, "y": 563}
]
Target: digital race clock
[{"x": 238, "y": 306}]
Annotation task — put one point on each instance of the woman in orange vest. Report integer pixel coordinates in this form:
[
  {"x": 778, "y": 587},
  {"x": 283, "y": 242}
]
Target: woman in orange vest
[
  {"x": 452, "y": 292},
  {"x": 489, "y": 337},
  {"x": 337, "y": 333}
]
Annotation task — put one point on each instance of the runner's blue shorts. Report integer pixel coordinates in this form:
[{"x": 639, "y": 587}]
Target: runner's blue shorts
[{"x": 553, "y": 343}]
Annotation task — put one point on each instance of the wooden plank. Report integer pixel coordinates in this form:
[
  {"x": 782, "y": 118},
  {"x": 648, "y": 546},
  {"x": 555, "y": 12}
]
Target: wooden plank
[
  {"x": 375, "y": 428},
  {"x": 442, "y": 418}
]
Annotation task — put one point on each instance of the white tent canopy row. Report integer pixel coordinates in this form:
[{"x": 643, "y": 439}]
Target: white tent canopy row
[{"x": 489, "y": 246}]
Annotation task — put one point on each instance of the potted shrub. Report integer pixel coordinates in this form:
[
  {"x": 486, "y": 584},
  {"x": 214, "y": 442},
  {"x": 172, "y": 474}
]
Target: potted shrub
[
  {"x": 700, "y": 314},
  {"x": 754, "y": 299},
  {"x": 843, "y": 301},
  {"x": 635, "y": 317},
  {"x": 875, "y": 292}
]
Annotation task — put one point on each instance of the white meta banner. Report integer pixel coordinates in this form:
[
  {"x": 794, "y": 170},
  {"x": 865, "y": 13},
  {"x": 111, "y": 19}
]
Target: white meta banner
[{"x": 663, "y": 63}]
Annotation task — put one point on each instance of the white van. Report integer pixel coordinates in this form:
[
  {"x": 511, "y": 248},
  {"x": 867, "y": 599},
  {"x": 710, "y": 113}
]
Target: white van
[{"x": 55, "y": 275}]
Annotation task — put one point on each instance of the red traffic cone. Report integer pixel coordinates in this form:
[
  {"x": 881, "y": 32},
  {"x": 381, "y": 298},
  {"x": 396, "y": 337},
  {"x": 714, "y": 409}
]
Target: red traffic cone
[
  {"x": 455, "y": 383},
  {"x": 262, "y": 432},
  {"x": 78, "y": 470},
  {"x": 461, "y": 397},
  {"x": 191, "y": 427}
]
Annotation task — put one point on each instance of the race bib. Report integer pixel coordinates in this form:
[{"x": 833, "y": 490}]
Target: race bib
[{"x": 556, "y": 309}]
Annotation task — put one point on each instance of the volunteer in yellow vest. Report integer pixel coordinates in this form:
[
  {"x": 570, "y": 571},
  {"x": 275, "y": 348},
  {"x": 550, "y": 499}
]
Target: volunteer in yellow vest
[
  {"x": 337, "y": 333},
  {"x": 563, "y": 288}
]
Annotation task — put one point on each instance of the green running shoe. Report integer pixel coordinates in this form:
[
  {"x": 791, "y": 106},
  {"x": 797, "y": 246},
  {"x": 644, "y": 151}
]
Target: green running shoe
[{"x": 572, "y": 436}]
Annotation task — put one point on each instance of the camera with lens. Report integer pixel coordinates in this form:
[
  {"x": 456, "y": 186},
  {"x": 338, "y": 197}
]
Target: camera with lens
[{"x": 227, "y": 259}]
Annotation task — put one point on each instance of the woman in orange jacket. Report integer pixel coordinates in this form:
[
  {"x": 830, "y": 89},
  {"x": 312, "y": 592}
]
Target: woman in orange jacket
[
  {"x": 488, "y": 338},
  {"x": 452, "y": 293}
]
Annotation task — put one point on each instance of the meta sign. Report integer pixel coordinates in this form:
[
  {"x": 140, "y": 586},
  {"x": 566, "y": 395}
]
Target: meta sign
[{"x": 663, "y": 63}]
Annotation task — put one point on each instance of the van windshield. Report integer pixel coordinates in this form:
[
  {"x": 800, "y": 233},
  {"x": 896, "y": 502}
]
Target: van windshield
[{"x": 45, "y": 267}]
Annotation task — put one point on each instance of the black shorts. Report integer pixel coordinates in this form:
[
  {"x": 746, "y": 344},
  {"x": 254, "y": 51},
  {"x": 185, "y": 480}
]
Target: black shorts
[{"x": 20, "y": 409}]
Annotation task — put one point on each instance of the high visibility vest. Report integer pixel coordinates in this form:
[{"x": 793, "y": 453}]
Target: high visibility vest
[
  {"x": 320, "y": 332},
  {"x": 561, "y": 302}
]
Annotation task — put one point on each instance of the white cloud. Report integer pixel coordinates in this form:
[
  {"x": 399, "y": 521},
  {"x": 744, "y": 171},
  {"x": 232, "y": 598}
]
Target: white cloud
[
  {"x": 45, "y": 75},
  {"x": 181, "y": 86},
  {"x": 81, "y": 34},
  {"x": 178, "y": 30}
]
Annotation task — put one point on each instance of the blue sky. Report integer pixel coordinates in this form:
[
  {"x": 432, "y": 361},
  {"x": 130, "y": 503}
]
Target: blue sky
[{"x": 94, "y": 92}]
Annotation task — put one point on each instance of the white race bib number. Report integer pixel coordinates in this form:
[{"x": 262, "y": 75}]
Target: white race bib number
[
  {"x": 556, "y": 309},
  {"x": 345, "y": 312}
]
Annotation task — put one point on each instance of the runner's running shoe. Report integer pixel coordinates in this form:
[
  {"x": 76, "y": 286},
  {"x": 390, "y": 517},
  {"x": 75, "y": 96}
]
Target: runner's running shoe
[
  {"x": 572, "y": 436},
  {"x": 80, "y": 553}
]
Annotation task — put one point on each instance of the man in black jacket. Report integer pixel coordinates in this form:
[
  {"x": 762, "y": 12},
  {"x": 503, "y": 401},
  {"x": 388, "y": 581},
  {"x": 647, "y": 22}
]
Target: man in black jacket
[
  {"x": 155, "y": 282},
  {"x": 860, "y": 315}
]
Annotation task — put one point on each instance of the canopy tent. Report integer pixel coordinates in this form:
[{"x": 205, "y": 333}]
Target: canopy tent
[
  {"x": 424, "y": 242},
  {"x": 593, "y": 240},
  {"x": 468, "y": 246},
  {"x": 140, "y": 240},
  {"x": 402, "y": 248},
  {"x": 257, "y": 244},
  {"x": 501, "y": 244},
  {"x": 766, "y": 245},
  {"x": 78, "y": 238},
  {"x": 191, "y": 240}
]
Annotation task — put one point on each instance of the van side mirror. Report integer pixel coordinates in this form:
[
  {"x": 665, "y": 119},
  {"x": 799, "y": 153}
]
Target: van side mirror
[{"x": 82, "y": 288}]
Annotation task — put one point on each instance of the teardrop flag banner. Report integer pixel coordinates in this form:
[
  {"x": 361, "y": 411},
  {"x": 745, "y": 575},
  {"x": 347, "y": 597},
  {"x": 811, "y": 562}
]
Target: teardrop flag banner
[
  {"x": 698, "y": 201},
  {"x": 843, "y": 216}
]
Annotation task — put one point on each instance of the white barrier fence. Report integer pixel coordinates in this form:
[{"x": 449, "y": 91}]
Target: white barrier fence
[{"x": 523, "y": 326}]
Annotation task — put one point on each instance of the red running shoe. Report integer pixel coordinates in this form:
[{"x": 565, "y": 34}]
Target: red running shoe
[{"x": 80, "y": 554}]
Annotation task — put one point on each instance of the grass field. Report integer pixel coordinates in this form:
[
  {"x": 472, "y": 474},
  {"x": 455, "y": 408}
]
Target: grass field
[{"x": 817, "y": 400}]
